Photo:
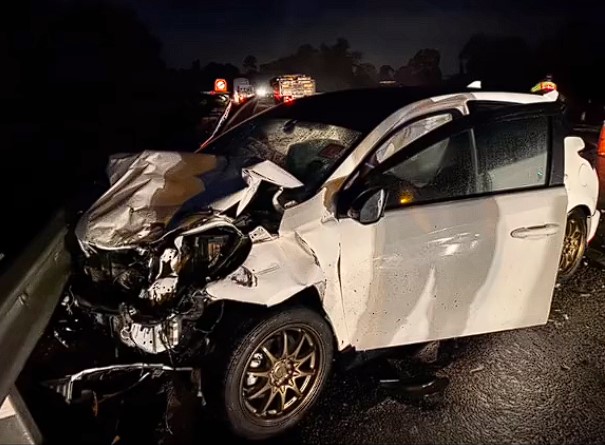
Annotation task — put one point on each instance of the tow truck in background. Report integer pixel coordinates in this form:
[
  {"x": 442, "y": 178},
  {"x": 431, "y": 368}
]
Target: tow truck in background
[
  {"x": 242, "y": 90},
  {"x": 292, "y": 86}
]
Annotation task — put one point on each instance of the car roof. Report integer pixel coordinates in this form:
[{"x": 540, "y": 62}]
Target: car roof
[{"x": 364, "y": 109}]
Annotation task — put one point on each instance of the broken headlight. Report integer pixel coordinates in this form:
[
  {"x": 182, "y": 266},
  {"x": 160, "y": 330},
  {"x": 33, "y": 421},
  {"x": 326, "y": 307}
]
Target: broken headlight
[
  {"x": 156, "y": 277},
  {"x": 212, "y": 255}
]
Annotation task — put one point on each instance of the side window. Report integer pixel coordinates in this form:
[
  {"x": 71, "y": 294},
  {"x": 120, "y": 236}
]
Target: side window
[
  {"x": 409, "y": 134},
  {"x": 443, "y": 171},
  {"x": 513, "y": 154}
]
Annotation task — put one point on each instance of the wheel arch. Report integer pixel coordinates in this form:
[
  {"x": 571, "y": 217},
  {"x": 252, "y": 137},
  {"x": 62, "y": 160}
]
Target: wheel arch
[{"x": 583, "y": 208}]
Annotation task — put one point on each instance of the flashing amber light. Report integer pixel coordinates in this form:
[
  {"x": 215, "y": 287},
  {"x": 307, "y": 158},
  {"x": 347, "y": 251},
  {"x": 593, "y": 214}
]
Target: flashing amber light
[
  {"x": 601, "y": 146},
  {"x": 220, "y": 86}
]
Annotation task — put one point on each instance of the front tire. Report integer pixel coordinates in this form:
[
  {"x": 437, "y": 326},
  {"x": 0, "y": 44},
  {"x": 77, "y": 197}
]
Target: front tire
[
  {"x": 275, "y": 372},
  {"x": 574, "y": 244}
]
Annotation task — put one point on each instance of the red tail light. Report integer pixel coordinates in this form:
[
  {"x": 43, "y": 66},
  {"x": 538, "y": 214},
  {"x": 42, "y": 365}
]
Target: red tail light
[{"x": 601, "y": 146}]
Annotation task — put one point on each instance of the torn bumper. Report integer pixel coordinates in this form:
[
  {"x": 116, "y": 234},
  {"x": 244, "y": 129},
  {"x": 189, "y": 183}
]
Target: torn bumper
[{"x": 71, "y": 386}]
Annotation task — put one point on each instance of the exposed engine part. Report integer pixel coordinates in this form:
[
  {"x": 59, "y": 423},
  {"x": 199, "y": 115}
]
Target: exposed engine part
[
  {"x": 151, "y": 338},
  {"x": 158, "y": 277},
  {"x": 160, "y": 290},
  {"x": 65, "y": 385}
]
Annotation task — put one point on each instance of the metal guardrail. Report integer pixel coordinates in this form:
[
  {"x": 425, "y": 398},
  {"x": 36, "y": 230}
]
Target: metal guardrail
[
  {"x": 30, "y": 289},
  {"x": 17, "y": 427}
]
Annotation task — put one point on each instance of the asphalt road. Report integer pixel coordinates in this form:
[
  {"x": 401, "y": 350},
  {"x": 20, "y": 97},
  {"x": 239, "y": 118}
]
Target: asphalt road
[
  {"x": 247, "y": 110},
  {"x": 538, "y": 385}
]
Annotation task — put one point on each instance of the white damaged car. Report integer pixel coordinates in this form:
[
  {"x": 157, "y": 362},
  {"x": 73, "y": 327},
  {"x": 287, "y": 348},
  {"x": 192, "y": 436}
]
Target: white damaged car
[{"x": 357, "y": 221}]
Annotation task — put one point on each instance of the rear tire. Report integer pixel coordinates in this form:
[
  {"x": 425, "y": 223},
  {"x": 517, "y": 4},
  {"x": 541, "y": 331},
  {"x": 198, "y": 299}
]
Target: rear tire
[
  {"x": 266, "y": 388},
  {"x": 574, "y": 244}
]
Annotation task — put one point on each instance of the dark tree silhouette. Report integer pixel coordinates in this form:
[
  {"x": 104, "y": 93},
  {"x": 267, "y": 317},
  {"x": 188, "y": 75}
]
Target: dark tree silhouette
[
  {"x": 86, "y": 80},
  {"x": 333, "y": 66},
  {"x": 338, "y": 62},
  {"x": 571, "y": 56},
  {"x": 422, "y": 69},
  {"x": 365, "y": 75},
  {"x": 386, "y": 73},
  {"x": 250, "y": 64},
  {"x": 575, "y": 56},
  {"x": 502, "y": 62}
]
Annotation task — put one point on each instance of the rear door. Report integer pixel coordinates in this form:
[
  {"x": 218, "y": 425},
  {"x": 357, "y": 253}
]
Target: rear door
[{"x": 472, "y": 233}]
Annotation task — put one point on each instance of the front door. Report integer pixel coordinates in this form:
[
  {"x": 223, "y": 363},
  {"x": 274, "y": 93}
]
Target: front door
[{"x": 470, "y": 239}]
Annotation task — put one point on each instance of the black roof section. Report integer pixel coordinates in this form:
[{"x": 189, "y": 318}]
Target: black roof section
[{"x": 361, "y": 109}]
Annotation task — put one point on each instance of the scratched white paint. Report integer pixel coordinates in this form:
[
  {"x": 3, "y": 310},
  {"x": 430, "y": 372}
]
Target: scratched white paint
[
  {"x": 319, "y": 228},
  {"x": 455, "y": 268},
  {"x": 281, "y": 267},
  {"x": 420, "y": 273}
]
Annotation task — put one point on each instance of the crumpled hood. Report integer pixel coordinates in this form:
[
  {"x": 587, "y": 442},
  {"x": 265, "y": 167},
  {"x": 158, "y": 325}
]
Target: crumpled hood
[{"x": 153, "y": 193}]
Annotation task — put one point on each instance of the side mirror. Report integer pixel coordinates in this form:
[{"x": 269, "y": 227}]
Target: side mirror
[{"x": 369, "y": 206}]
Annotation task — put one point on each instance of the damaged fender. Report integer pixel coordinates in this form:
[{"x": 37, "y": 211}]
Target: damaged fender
[
  {"x": 274, "y": 271},
  {"x": 305, "y": 254}
]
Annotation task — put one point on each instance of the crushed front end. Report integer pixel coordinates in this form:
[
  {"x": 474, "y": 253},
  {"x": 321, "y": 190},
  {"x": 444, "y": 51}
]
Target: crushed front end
[
  {"x": 150, "y": 298},
  {"x": 144, "y": 253}
]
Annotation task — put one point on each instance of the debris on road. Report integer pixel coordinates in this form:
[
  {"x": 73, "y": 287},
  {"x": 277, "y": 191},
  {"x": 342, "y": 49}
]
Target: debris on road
[
  {"x": 416, "y": 387},
  {"x": 558, "y": 318},
  {"x": 477, "y": 369},
  {"x": 65, "y": 386}
]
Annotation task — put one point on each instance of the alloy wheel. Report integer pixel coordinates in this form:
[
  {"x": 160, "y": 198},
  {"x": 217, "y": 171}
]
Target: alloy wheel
[{"x": 282, "y": 373}]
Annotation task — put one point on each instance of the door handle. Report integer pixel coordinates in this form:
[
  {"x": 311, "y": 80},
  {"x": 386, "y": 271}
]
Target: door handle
[{"x": 535, "y": 231}]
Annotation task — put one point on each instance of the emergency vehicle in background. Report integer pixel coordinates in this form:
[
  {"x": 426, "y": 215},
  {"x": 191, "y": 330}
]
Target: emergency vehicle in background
[
  {"x": 292, "y": 86},
  {"x": 242, "y": 90}
]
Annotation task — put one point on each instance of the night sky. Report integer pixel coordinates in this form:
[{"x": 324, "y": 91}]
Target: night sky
[{"x": 386, "y": 32}]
